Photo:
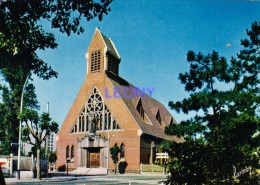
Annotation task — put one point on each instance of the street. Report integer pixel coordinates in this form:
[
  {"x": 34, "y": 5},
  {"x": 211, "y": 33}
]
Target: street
[{"x": 108, "y": 179}]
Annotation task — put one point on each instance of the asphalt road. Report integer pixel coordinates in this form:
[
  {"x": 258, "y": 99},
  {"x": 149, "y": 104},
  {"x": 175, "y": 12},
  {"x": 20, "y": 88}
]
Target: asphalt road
[{"x": 109, "y": 180}]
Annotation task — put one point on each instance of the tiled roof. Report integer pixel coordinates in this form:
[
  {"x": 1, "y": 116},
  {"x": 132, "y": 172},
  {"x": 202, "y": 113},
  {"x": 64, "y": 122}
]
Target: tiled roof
[
  {"x": 110, "y": 45},
  {"x": 150, "y": 107},
  {"x": 154, "y": 111}
]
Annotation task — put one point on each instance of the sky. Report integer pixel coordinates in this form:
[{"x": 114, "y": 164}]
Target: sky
[{"x": 152, "y": 38}]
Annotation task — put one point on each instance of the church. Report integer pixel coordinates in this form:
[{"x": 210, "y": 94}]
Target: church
[{"x": 109, "y": 111}]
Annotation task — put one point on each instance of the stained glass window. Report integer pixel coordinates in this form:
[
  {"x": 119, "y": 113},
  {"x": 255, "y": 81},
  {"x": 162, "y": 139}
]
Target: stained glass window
[{"x": 95, "y": 116}]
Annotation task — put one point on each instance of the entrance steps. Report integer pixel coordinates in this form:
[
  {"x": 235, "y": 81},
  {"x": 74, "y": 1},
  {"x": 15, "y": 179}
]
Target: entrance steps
[{"x": 89, "y": 171}]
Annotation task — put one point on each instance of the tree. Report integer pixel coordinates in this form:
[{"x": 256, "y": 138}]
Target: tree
[
  {"x": 34, "y": 150},
  {"x": 37, "y": 129},
  {"x": 52, "y": 157},
  {"x": 114, "y": 151},
  {"x": 22, "y": 31},
  {"x": 6, "y": 117},
  {"x": 23, "y": 25},
  {"x": 222, "y": 139},
  {"x": 9, "y": 120}
]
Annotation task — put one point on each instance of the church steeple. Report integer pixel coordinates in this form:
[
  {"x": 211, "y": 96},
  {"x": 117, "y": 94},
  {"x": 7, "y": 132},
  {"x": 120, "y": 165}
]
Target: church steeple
[{"x": 102, "y": 55}]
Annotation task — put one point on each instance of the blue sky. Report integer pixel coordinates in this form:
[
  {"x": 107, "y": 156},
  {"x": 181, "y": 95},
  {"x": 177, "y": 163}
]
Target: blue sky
[{"x": 152, "y": 38}]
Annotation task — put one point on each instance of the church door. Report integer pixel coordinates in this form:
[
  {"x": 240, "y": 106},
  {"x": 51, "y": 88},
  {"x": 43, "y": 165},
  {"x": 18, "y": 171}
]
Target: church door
[{"x": 94, "y": 160}]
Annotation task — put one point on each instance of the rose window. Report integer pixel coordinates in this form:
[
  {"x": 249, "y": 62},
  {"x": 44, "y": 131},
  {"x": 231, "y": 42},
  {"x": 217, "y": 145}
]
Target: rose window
[{"x": 95, "y": 103}]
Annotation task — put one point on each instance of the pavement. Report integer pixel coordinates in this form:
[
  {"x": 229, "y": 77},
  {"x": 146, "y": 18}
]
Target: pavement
[
  {"x": 26, "y": 176},
  {"x": 14, "y": 180}
]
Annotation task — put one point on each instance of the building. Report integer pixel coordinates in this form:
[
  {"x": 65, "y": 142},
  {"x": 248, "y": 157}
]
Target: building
[
  {"x": 110, "y": 111},
  {"x": 50, "y": 143}
]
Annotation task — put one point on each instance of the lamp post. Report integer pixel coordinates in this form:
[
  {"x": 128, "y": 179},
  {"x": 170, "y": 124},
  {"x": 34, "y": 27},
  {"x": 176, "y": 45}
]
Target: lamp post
[
  {"x": 20, "y": 131},
  {"x": 67, "y": 162},
  {"x": 46, "y": 144},
  {"x": 108, "y": 142}
]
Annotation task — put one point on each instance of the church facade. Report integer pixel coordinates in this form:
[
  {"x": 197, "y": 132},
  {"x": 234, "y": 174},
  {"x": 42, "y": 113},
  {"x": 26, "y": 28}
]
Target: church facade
[{"x": 110, "y": 111}]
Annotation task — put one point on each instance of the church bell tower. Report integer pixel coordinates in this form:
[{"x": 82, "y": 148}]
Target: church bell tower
[{"x": 102, "y": 55}]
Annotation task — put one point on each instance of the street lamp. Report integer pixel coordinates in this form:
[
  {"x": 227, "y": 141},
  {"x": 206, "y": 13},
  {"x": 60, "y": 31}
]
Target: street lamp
[
  {"x": 20, "y": 130},
  {"x": 108, "y": 142}
]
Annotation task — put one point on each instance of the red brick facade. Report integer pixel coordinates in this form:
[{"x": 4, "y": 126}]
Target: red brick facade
[{"x": 102, "y": 117}]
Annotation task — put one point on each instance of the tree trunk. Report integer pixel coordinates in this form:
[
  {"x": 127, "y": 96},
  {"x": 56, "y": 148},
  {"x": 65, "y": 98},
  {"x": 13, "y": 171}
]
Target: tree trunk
[
  {"x": 115, "y": 168},
  {"x": 38, "y": 163}
]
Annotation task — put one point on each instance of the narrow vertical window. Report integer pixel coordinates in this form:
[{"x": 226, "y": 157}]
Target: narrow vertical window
[
  {"x": 114, "y": 124},
  {"x": 83, "y": 123},
  {"x": 79, "y": 124},
  {"x": 87, "y": 124},
  {"x": 109, "y": 121},
  {"x": 95, "y": 61},
  {"x": 105, "y": 122},
  {"x": 72, "y": 151},
  {"x": 122, "y": 151},
  {"x": 67, "y": 152},
  {"x": 75, "y": 128}
]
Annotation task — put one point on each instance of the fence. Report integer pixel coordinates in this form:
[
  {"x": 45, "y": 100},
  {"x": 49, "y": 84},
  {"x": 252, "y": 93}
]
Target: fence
[
  {"x": 26, "y": 163},
  {"x": 151, "y": 168}
]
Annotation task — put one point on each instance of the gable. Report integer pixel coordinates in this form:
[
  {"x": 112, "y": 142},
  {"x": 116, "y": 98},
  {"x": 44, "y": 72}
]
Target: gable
[
  {"x": 91, "y": 112},
  {"x": 139, "y": 108},
  {"x": 158, "y": 117}
]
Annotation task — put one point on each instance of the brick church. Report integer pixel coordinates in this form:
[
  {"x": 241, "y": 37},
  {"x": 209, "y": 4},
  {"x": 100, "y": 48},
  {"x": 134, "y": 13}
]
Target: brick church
[{"x": 109, "y": 111}]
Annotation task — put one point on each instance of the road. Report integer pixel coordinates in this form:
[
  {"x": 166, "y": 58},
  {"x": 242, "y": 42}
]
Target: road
[{"x": 109, "y": 180}]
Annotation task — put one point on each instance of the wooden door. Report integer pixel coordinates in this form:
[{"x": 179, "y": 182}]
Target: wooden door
[{"x": 94, "y": 160}]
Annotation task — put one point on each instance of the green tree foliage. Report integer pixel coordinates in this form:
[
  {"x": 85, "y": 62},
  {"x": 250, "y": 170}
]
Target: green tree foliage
[
  {"x": 52, "y": 157},
  {"x": 34, "y": 152},
  {"x": 6, "y": 110},
  {"x": 23, "y": 32},
  {"x": 225, "y": 131},
  {"x": 9, "y": 121},
  {"x": 114, "y": 151}
]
